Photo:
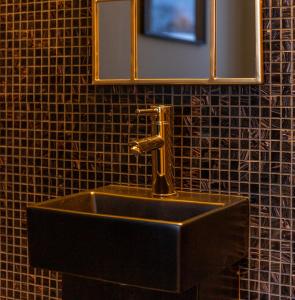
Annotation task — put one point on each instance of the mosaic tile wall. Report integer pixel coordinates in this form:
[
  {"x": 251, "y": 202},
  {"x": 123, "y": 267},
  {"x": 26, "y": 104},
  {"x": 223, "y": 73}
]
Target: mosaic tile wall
[{"x": 59, "y": 135}]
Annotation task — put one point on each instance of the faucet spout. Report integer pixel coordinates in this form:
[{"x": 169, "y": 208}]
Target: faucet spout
[
  {"x": 160, "y": 145},
  {"x": 146, "y": 144}
]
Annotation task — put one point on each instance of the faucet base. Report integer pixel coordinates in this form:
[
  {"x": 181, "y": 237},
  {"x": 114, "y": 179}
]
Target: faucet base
[{"x": 163, "y": 184}]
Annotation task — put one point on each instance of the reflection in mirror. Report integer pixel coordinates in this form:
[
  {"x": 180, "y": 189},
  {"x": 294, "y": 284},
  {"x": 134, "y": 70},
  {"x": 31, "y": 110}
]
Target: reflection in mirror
[
  {"x": 114, "y": 39},
  {"x": 173, "y": 39},
  {"x": 175, "y": 20},
  {"x": 236, "y": 39}
]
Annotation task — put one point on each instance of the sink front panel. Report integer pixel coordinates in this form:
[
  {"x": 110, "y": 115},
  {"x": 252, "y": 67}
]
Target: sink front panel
[{"x": 131, "y": 252}]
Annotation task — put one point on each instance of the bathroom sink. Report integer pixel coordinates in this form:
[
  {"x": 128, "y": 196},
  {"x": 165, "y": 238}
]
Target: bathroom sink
[{"x": 124, "y": 235}]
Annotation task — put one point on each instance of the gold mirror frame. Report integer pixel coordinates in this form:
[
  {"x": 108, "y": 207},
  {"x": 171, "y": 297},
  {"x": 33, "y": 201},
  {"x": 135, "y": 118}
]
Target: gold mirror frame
[{"x": 213, "y": 79}]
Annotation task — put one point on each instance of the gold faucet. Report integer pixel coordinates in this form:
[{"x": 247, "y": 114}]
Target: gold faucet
[{"x": 160, "y": 145}]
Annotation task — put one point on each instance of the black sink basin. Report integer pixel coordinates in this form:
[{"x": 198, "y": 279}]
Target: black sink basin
[{"x": 124, "y": 235}]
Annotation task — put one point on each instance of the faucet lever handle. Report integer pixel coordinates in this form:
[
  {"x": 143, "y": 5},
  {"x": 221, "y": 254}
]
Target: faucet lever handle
[{"x": 148, "y": 111}]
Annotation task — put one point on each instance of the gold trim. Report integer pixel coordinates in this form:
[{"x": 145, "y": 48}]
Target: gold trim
[
  {"x": 123, "y": 192},
  {"x": 213, "y": 54},
  {"x": 133, "y": 24},
  {"x": 140, "y": 194},
  {"x": 95, "y": 40},
  {"x": 109, "y": 216},
  {"x": 163, "y": 200},
  {"x": 135, "y": 192},
  {"x": 259, "y": 40},
  {"x": 213, "y": 79},
  {"x": 136, "y": 197},
  {"x": 176, "y": 81}
]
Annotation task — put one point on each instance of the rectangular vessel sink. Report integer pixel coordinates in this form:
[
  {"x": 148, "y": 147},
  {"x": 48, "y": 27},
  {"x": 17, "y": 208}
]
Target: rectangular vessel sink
[{"x": 124, "y": 235}]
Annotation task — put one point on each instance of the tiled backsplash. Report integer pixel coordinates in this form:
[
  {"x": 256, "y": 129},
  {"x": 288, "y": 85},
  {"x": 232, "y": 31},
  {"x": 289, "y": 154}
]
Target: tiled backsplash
[{"x": 59, "y": 134}]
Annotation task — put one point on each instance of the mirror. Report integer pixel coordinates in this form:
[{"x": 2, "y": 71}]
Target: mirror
[
  {"x": 235, "y": 22},
  {"x": 172, "y": 35},
  {"x": 177, "y": 42},
  {"x": 114, "y": 39}
]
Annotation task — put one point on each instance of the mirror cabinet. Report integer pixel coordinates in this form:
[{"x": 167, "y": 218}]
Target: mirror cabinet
[{"x": 177, "y": 42}]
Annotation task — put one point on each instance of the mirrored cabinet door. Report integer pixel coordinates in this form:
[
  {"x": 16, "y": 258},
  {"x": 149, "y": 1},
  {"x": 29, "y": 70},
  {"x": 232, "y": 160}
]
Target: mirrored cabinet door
[
  {"x": 173, "y": 39},
  {"x": 113, "y": 25},
  {"x": 236, "y": 39}
]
